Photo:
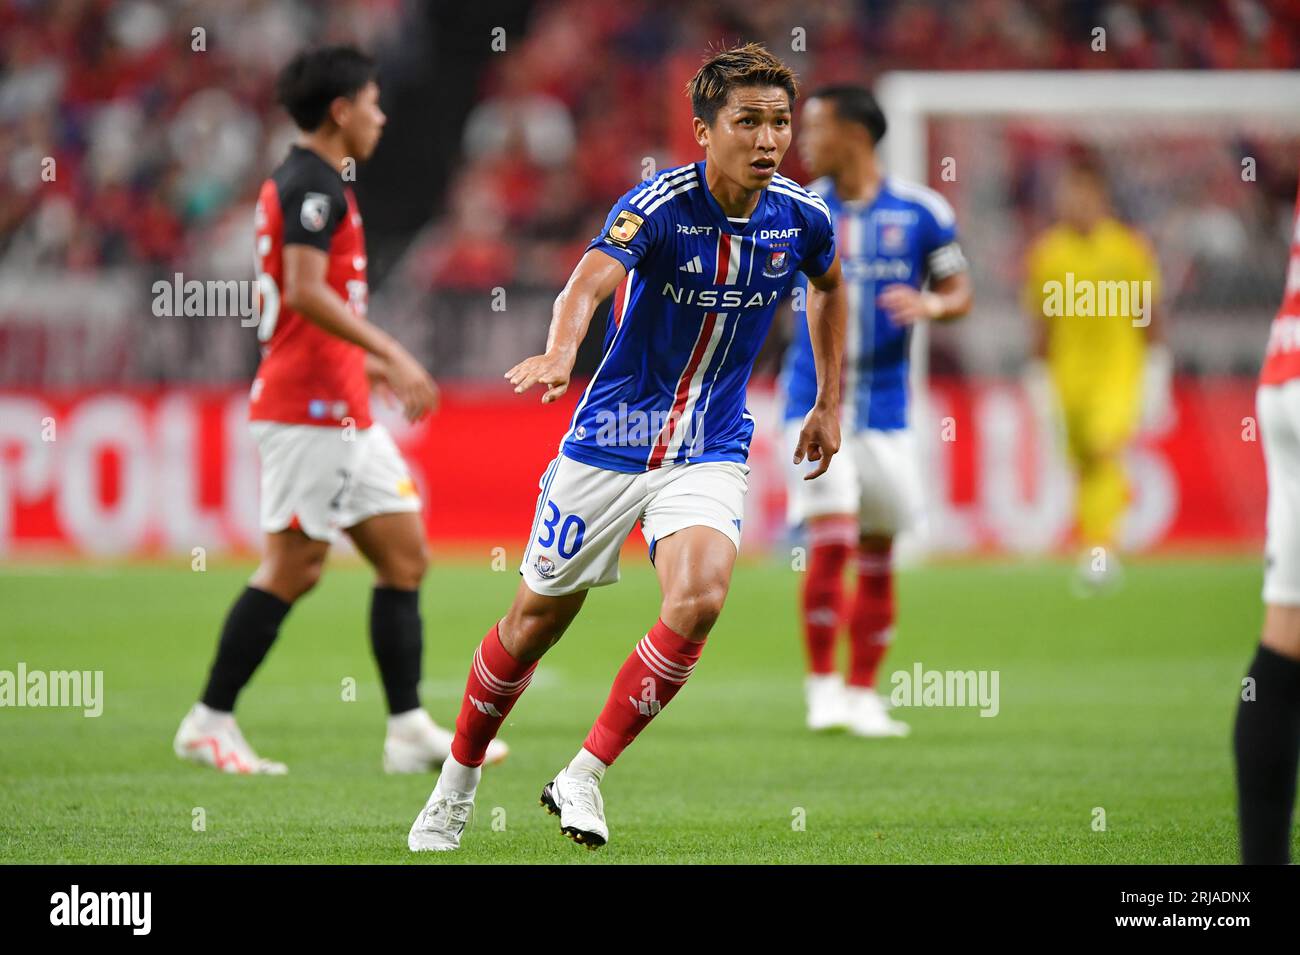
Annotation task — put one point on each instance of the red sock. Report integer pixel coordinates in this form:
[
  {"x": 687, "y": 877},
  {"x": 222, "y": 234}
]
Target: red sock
[
  {"x": 496, "y": 680},
  {"x": 652, "y": 675},
  {"x": 871, "y": 622},
  {"x": 830, "y": 541}
]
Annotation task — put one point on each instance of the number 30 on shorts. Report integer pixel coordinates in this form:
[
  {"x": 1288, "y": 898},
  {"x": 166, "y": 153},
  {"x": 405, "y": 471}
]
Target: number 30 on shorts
[{"x": 568, "y": 539}]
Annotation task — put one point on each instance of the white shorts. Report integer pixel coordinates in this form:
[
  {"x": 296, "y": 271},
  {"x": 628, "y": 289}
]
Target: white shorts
[
  {"x": 317, "y": 480},
  {"x": 585, "y": 513},
  {"x": 1278, "y": 408},
  {"x": 875, "y": 476}
]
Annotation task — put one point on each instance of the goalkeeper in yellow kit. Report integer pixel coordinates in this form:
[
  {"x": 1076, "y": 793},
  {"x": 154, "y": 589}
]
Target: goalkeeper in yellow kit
[{"x": 1090, "y": 290}]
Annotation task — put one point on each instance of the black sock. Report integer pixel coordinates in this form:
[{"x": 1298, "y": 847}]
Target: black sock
[
  {"x": 397, "y": 638},
  {"x": 1266, "y": 742},
  {"x": 250, "y": 629}
]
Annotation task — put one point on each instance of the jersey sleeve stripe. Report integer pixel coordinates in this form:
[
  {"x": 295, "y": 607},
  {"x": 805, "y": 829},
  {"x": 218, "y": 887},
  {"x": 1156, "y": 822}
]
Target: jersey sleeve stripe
[
  {"x": 936, "y": 204},
  {"x": 662, "y": 184},
  {"x": 685, "y": 187},
  {"x": 800, "y": 190},
  {"x": 819, "y": 206}
]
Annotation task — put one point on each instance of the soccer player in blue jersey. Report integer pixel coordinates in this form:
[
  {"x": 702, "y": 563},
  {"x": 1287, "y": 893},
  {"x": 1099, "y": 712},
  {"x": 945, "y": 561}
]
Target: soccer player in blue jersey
[
  {"x": 902, "y": 265},
  {"x": 697, "y": 260}
]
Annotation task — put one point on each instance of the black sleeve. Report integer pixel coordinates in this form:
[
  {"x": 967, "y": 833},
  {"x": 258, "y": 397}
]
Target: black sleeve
[{"x": 313, "y": 205}]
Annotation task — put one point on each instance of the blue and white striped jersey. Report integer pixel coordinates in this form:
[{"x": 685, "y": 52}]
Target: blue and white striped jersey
[
  {"x": 906, "y": 234},
  {"x": 689, "y": 319}
]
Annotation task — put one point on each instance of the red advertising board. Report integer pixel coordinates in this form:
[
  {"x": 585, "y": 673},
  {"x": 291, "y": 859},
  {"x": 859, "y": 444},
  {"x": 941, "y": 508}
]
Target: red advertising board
[{"x": 140, "y": 473}]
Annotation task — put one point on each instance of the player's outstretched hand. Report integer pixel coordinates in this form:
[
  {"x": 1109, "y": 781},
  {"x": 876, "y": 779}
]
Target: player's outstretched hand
[
  {"x": 906, "y": 305},
  {"x": 412, "y": 385},
  {"x": 549, "y": 370},
  {"x": 819, "y": 440}
]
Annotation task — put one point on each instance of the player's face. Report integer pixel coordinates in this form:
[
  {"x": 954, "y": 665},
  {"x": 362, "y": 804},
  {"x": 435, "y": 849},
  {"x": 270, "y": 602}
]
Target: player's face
[
  {"x": 822, "y": 137},
  {"x": 1080, "y": 200},
  {"x": 749, "y": 136},
  {"x": 362, "y": 121}
]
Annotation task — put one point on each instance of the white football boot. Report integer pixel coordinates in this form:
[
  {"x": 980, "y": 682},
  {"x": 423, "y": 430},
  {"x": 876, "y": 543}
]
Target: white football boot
[
  {"x": 442, "y": 821},
  {"x": 416, "y": 744},
  {"x": 576, "y": 800},
  {"x": 866, "y": 714},
  {"x": 1097, "y": 573},
  {"x": 212, "y": 738},
  {"x": 826, "y": 703}
]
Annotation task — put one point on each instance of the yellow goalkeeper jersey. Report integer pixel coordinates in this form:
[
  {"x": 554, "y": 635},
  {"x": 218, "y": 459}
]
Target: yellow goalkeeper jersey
[{"x": 1091, "y": 289}]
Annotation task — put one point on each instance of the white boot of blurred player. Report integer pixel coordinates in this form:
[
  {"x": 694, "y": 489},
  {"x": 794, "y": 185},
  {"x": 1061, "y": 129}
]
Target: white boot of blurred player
[
  {"x": 826, "y": 703},
  {"x": 866, "y": 714},
  {"x": 1098, "y": 571},
  {"x": 416, "y": 744},
  {"x": 212, "y": 738}
]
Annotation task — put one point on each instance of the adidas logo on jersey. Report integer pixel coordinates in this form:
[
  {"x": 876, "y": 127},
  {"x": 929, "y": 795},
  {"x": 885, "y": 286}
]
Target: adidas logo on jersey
[
  {"x": 487, "y": 709},
  {"x": 694, "y": 266}
]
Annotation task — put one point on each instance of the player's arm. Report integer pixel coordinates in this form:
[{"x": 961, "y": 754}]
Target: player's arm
[
  {"x": 828, "y": 309},
  {"x": 1158, "y": 368},
  {"x": 1037, "y": 337},
  {"x": 949, "y": 293},
  {"x": 593, "y": 281},
  {"x": 1031, "y": 301},
  {"x": 1147, "y": 273},
  {"x": 308, "y": 293},
  {"x": 946, "y": 299},
  {"x": 1036, "y": 379}
]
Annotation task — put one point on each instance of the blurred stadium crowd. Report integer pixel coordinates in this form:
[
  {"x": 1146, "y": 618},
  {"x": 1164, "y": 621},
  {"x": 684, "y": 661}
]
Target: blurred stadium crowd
[{"x": 160, "y": 147}]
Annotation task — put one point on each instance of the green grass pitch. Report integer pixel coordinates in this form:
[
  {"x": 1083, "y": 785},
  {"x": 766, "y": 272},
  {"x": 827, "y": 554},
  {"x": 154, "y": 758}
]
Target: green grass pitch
[{"x": 1122, "y": 704}]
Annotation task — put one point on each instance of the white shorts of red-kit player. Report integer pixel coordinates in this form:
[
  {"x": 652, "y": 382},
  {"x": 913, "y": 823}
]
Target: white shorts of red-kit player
[
  {"x": 322, "y": 480},
  {"x": 1278, "y": 409}
]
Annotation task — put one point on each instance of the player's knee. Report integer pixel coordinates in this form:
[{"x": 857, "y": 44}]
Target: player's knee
[
  {"x": 417, "y": 565},
  {"x": 1282, "y": 630},
  {"x": 875, "y": 543},
  {"x": 404, "y": 571},
  {"x": 693, "y": 611},
  {"x": 288, "y": 580},
  {"x": 528, "y": 634},
  {"x": 307, "y": 574}
]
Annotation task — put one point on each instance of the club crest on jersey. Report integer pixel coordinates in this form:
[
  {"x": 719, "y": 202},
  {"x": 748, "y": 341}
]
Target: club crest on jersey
[
  {"x": 315, "y": 211},
  {"x": 544, "y": 566},
  {"x": 892, "y": 238},
  {"x": 625, "y": 227},
  {"x": 778, "y": 263}
]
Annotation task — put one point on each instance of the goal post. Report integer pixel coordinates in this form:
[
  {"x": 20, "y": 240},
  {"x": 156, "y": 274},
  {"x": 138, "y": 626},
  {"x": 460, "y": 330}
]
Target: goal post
[{"x": 1180, "y": 149}]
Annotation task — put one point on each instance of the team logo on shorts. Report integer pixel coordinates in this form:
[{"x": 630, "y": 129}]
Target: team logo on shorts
[
  {"x": 544, "y": 566},
  {"x": 778, "y": 263},
  {"x": 625, "y": 227},
  {"x": 315, "y": 211}
]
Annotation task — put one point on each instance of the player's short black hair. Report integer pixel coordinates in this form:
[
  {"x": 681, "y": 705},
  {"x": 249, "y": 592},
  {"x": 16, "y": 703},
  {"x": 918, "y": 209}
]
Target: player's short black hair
[
  {"x": 726, "y": 69},
  {"x": 1085, "y": 162},
  {"x": 857, "y": 105},
  {"x": 315, "y": 78}
]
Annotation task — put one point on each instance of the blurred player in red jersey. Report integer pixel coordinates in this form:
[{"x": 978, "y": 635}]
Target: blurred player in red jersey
[
  {"x": 1267, "y": 735},
  {"x": 326, "y": 465}
]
